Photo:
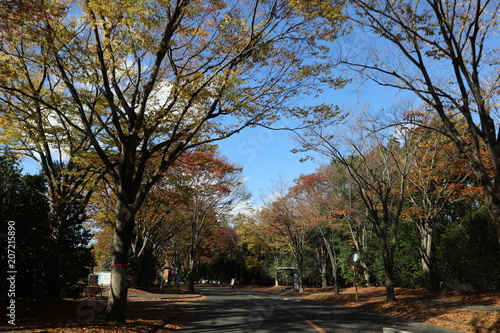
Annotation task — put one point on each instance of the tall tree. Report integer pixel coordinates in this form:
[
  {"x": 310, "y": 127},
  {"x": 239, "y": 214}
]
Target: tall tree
[
  {"x": 379, "y": 166},
  {"x": 445, "y": 54},
  {"x": 157, "y": 222},
  {"x": 34, "y": 129},
  {"x": 348, "y": 209},
  {"x": 149, "y": 80},
  {"x": 211, "y": 187},
  {"x": 262, "y": 241},
  {"x": 222, "y": 258},
  {"x": 316, "y": 204},
  {"x": 286, "y": 219},
  {"x": 439, "y": 177},
  {"x": 25, "y": 207}
]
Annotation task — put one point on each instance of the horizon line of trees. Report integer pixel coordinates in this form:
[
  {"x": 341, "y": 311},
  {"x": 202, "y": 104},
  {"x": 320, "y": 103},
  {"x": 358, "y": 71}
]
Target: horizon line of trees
[
  {"x": 403, "y": 197},
  {"x": 435, "y": 219}
]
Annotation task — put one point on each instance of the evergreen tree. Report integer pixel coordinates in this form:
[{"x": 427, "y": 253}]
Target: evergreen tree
[
  {"x": 25, "y": 206},
  {"x": 468, "y": 252}
]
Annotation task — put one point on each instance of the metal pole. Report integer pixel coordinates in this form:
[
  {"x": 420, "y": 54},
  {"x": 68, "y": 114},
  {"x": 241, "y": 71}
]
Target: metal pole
[{"x": 356, "y": 284}]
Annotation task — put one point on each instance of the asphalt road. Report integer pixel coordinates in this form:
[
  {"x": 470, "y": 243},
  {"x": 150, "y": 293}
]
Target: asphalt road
[{"x": 228, "y": 310}]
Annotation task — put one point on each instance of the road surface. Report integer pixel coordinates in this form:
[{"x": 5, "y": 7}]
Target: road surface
[{"x": 228, "y": 310}]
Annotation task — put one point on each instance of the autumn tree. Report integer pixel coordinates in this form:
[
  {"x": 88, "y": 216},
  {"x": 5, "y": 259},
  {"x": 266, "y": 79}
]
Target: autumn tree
[
  {"x": 35, "y": 130},
  {"x": 378, "y": 165},
  {"x": 445, "y": 54},
  {"x": 157, "y": 223},
  {"x": 316, "y": 199},
  {"x": 221, "y": 257},
  {"x": 164, "y": 216},
  {"x": 15, "y": 12},
  {"x": 348, "y": 211},
  {"x": 288, "y": 222},
  {"x": 151, "y": 79},
  {"x": 263, "y": 243},
  {"x": 211, "y": 187},
  {"x": 439, "y": 177}
]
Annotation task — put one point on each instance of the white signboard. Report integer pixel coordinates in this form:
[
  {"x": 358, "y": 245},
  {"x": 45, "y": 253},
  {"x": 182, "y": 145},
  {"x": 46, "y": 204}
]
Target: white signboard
[{"x": 104, "y": 278}]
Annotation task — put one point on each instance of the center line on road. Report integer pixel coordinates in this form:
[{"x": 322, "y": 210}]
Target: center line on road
[{"x": 313, "y": 325}]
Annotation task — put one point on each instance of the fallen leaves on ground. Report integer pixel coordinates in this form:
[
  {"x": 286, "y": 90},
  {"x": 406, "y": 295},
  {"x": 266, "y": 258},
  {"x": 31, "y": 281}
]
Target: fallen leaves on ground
[
  {"x": 151, "y": 312},
  {"x": 453, "y": 309}
]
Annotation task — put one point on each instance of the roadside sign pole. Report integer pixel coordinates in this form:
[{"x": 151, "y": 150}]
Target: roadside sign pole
[
  {"x": 356, "y": 283},
  {"x": 353, "y": 263}
]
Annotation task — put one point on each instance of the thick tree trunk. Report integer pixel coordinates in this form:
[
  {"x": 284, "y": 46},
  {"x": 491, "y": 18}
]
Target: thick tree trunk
[
  {"x": 117, "y": 301},
  {"x": 390, "y": 296},
  {"x": 324, "y": 282}
]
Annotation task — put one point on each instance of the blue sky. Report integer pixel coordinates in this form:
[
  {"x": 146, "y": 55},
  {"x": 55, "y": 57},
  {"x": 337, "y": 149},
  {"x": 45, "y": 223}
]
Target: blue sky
[
  {"x": 265, "y": 154},
  {"x": 266, "y": 158}
]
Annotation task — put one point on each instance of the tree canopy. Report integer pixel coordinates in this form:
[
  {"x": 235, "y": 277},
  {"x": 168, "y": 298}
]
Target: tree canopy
[{"x": 145, "y": 81}]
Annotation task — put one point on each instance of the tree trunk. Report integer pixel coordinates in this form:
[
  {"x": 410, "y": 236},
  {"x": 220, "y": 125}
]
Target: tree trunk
[
  {"x": 333, "y": 260},
  {"x": 366, "y": 273},
  {"x": 320, "y": 255},
  {"x": 192, "y": 261},
  {"x": 494, "y": 210},
  {"x": 139, "y": 256},
  {"x": 298, "y": 257},
  {"x": 390, "y": 296},
  {"x": 324, "y": 282},
  {"x": 192, "y": 273},
  {"x": 193, "y": 255},
  {"x": 426, "y": 255},
  {"x": 335, "y": 278},
  {"x": 137, "y": 277},
  {"x": 117, "y": 301},
  {"x": 276, "y": 264},
  {"x": 56, "y": 217}
]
